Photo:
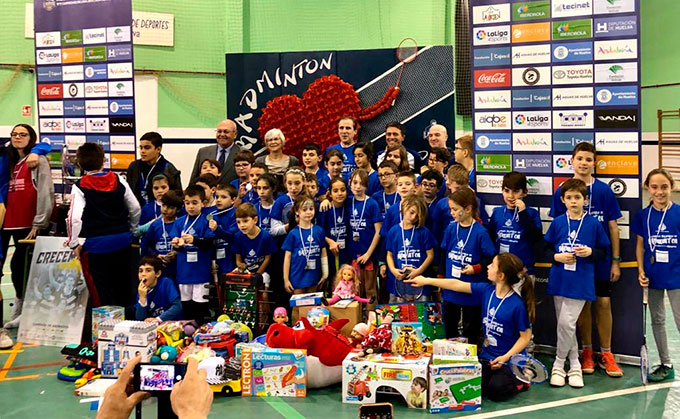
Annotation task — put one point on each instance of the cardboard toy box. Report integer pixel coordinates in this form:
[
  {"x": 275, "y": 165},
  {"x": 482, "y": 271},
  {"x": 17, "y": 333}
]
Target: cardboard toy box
[
  {"x": 273, "y": 372},
  {"x": 363, "y": 377},
  {"x": 455, "y": 387},
  {"x": 429, "y": 314},
  {"x": 120, "y": 341},
  {"x": 352, "y": 313},
  {"x": 103, "y": 313},
  {"x": 453, "y": 347}
]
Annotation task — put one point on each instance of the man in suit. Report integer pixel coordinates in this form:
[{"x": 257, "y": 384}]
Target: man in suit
[
  {"x": 224, "y": 152},
  {"x": 395, "y": 133}
]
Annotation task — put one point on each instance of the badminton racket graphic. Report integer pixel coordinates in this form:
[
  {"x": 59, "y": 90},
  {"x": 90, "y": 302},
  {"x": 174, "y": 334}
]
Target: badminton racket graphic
[
  {"x": 644, "y": 353},
  {"x": 407, "y": 52}
]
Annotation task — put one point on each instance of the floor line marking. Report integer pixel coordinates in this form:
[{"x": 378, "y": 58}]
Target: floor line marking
[
  {"x": 283, "y": 408},
  {"x": 9, "y": 362},
  {"x": 33, "y": 366},
  {"x": 22, "y": 377},
  {"x": 574, "y": 400},
  {"x": 10, "y": 351}
]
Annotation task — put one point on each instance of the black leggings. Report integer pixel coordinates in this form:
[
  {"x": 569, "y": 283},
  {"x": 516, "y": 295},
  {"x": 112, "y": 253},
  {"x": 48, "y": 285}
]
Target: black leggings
[
  {"x": 498, "y": 385},
  {"x": 17, "y": 264},
  {"x": 472, "y": 321}
]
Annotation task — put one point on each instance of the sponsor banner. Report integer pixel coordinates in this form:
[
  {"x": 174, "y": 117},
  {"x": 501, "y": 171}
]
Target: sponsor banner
[
  {"x": 119, "y": 52},
  {"x": 492, "y": 78},
  {"x": 572, "y": 29},
  {"x": 74, "y": 107},
  {"x": 491, "y": 35},
  {"x": 531, "y": 32},
  {"x": 56, "y": 141},
  {"x": 617, "y": 165},
  {"x": 102, "y": 140},
  {"x": 50, "y": 108},
  {"x": 121, "y": 161},
  {"x": 73, "y": 72},
  {"x": 121, "y": 107},
  {"x": 616, "y": 73},
  {"x": 71, "y": 37},
  {"x": 531, "y": 98},
  {"x": 562, "y": 163},
  {"x": 572, "y": 96},
  {"x": 493, "y": 99},
  {"x": 72, "y": 55},
  {"x": 492, "y": 120},
  {"x": 489, "y": 184},
  {"x": 97, "y": 89},
  {"x": 120, "y": 70},
  {"x": 498, "y": 163},
  {"x": 50, "y": 91},
  {"x": 531, "y": 10},
  {"x": 572, "y": 52},
  {"x": 153, "y": 28},
  {"x": 122, "y": 142},
  {"x": 616, "y": 26},
  {"x": 531, "y": 54},
  {"x": 118, "y": 34},
  {"x": 95, "y": 71},
  {"x": 573, "y": 74},
  {"x": 495, "y": 13},
  {"x": 120, "y": 88},
  {"x": 74, "y": 125},
  {"x": 95, "y": 54},
  {"x": 51, "y": 125},
  {"x": 493, "y": 141},
  {"x": 557, "y": 182},
  {"x": 96, "y": 125},
  {"x": 94, "y": 36},
  {"x": 539, "y": 185},
  {"x": 570, "y": 8},
  {"x": 539, "y": 141},
  {"x": 49, "y": 74},
  {"x": 48, "y": 56},
  {"x": 623, "y": 187},
  {"x": 97, "y": 107},
  {"x": 121, "y": 124},
  {"x": 566, "y": 141},
  {"x": 620, "y": 49},
  {"x": 531, "y": 120},
  {"x": 532, "y": 163},
  {"x": 487, "y": 57},
  {"x": 75, "y": 141},
  {"x": 573, "y": 119},
  {"x": 531, "y": 76},
  {"x": 617, "y": 141},
  {"x": 74, "y": 90},
  {"x": 616, "y": 95},
  {"x": 613, "y": 6},
  {"x": 616, "y": 118},
  {"x": 47, "y": 39}
]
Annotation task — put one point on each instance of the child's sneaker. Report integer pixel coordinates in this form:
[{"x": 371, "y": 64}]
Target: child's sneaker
[
  {"x": 587, "y": 362},
  {"x": 6, "y": 342},
  {"x": 575, "y": 378},
  {"x": 608, "y": 363},
  {"x": 557, "y": 377},
  {"x": 661, "y": 373}
]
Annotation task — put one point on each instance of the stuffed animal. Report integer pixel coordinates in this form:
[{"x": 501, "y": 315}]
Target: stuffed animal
[
  {"x": 166, "y": 354},
  {"x": 380, "y": 339},
  {"x": 328, "y": 345}
]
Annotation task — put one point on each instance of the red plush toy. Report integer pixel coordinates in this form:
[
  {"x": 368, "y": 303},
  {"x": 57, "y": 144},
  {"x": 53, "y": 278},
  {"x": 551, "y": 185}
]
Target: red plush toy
[{"x": 328, "y": 345}]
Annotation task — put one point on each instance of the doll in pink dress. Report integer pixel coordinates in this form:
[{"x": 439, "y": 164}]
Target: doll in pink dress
[{"x": 346, "y": 287}]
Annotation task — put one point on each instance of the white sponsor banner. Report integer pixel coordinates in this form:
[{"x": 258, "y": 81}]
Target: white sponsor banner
[
  {"x": 613, "y": 6},
  {"x": 621, "y": 49},
  {"x": 567, "y": 8},
  {"x": 48, "y": 56},
  {"x": 531, "y": 76},
  {"x": 118, "y": 33},
  {"x": 531, "y": 120},
  {"x": 540, "y": 185},
  {"x": 51, "y": 108},
  {"x": 562, "y": 164},
  {"x": 50, "y": 125},
  {"x": 74, "y": 124},
  {"x": 122, "y": 143},
  {"x": 492, "y": 120},
  {"x": 531, "y": 54},
  {"x": 572, "y": 96},
  {"x": 491, "y": 35},
  {"x": 493, "y": 99},
  {"x": 72, "y": 72},
  {"x": 494, "y": 13},
  {"x": 617, "y": 141},
  {"x": 97, "y": 107},
  {"x": 48, "y": 39},
  {"x": 120, "y": 88},
  {"x": 153, "y": 29},
  {"x": 95, "y": 125},
  {"x": 573, "y": 74},
  {"x": 74, "y": 90},
  {"x": 489, "y": 184},
  {"x": 94, "y": 36},
  {"x": 120, "y": 70},
  {"x": 573, "y": 119},
  {"x": 616, "y": 73},
  {"x": 74, "y": 141},
  {"x": 97, "y": 89},
  {"x": 623, "y": 187},
  {"x": 534, "y": 141}
]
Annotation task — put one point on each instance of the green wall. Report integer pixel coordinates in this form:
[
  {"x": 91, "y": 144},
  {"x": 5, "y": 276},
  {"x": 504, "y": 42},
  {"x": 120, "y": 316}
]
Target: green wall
[{"x": 206, "y": 29}]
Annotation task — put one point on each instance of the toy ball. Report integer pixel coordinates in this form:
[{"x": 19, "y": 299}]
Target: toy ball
[
  {"x": 189, "y": 329},
  {"x": 223, "y": 318},
  {"x": 318, "y": 316}
]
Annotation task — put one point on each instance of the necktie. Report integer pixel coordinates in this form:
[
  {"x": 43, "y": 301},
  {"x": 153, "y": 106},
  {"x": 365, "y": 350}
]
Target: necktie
[{"x": 223, "y": 158}]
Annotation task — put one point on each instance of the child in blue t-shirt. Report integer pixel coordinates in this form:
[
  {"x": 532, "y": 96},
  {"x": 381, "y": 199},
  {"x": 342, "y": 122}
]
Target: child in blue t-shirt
[
  {"x": 253, "y": 246},
  {"x": 193, "y": 241},
  {"x": 430, "y": 182},
  {"x": 280, "y": 215},
  {"x": 658, "y": 259},
  {"x": 223, "y": 224},
  {"x": 514, "y": 227},
  {"x": 158, "y": 240},
  {"x": 410, "y": 246},
  {"x": 311, "y": 160},
  {"x": 265, "y": 186},
  {"x": 157, "y": 297},
  {"x": 363, "y": 155},
  {"x": 506, "y": 316},
  {"x": 387, "y": 195},
  {"x": 578, "y": 241},
  {"x": 467, "y": 248},
  {"x": 243, "y": 161},
  {"x": 160, "y": 185},
  {"x": 335, "y": 224}
]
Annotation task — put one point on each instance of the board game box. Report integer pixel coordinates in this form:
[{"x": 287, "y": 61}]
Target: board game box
[{"x": 273, "y": 372}]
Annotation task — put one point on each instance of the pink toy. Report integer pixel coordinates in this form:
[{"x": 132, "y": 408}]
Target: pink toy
[
  {"x": 347, "y": 287},
  {"x": 359, "y": 333},
  {"x": 280, "y": 315}
]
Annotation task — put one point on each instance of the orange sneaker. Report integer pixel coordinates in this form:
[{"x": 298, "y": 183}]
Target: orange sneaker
[
  {"x": 608, "y": 363},
  {"x": 587, "y": 363}
]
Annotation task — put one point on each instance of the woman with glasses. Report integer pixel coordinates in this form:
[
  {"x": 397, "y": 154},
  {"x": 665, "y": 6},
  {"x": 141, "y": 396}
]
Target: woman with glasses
[{"x": 277, "y": 162}]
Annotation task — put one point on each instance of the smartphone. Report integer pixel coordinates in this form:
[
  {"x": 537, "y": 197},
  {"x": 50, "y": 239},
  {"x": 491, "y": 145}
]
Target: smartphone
[
  {"x": 376, "y": 411},
  {"x": 157, "y": 378}
]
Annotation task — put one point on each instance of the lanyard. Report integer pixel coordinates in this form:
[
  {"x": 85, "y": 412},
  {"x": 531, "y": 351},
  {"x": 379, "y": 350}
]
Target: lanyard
[
  {"x": 335, "y": 220},
  {"x": 145, "y": 179},
  {"x": 590, "y": 197},
  {"x": 216, "y": 212},
  {"x": 461, "y": 248},
  {"x": 652, "y": 242},
  {"x": 361, "y": 217},
  {"x": 185, "y": 229},
  {"x": 394, "y": 201},
  {"x": 403, "y": 240},
  {"x": 488, "y": 307},
  {"x": 306, "y": 253},
  {"x": 573, "y": 241},
  {"x": 515, "y": 216},
  {"x": 155, "y": 210}
]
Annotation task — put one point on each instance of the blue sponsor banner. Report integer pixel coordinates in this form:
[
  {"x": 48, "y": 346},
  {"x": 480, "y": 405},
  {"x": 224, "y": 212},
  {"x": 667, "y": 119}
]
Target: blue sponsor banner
[
  {"x": 565, "y": 141},
  {"x": 493, "y": 141},
  {"x": 95, "y": 71},
  {"x": 122, "y": 52},
  {"x": 102, "y": 140},
  {"x": 531, "y": 98},
  {"x": 572, "y": 52},
  {"x": 616, "y": 95},
  {"x": 74, "y": 107},
  {"x": 532, "y": 163},
  {"x": 50, "y": 73},
  {"x": 489, "y": 57},
  {"x": 56, "y": 141},
  {"x": 615, "y": 26},
  {"x": 121, "y": 106}
]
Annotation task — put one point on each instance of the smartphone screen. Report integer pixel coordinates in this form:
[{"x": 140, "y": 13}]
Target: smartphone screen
[
  {"x": 376, "y": 411},
  {"x": 159, "y": 377}
]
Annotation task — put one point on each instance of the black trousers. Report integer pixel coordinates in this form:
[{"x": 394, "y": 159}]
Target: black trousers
[
  {"x": 472, "y": 321},
  {"x": 498, "y": 385},
  {"x": 110, "y": 277},
  {"x": 17, "y": 264}
]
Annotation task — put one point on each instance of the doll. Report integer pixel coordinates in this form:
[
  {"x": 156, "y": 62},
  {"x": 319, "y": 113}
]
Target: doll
[
  {"x": 380, "y": 339},
  {"x": 280, "y": 315},
  {"x": 359, "y": 333},
  {"x": 347, "y": 287}
]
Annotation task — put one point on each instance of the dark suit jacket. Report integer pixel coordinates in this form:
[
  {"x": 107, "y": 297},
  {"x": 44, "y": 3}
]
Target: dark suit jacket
[{"x": 210, "y": 152}]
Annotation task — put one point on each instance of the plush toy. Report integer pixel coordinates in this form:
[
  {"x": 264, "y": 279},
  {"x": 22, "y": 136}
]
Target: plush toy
[
  {"x": 280, "y": 315},
  {"x": 380, "y": 339},
  {"x": 328, "y": 345},
  {"x": 166, "y": 354},
  {"x": 359, "y": 333},
  {"x": 346, "y": 287}
]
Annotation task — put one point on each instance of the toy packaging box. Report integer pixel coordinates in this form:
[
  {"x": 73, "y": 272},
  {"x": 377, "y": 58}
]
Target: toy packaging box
[
  {"x": 273, "y": 372},
  {"x": 352, "y": 313},
  {"x": 120, "y": 341},
  {"x": 103, "y": 313},
  {"x": 309, "y": 299},
  {"x": 428, "y": 314},
  {"x": 453, "y": 347},
  {"x": 363, "y": 377},
  {"x": 455, "y": 387}
]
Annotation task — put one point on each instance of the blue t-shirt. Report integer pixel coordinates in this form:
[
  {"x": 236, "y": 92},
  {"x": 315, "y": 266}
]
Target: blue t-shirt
[
  {"x": 193, "y": 264},
  {"x": 335, "y": 224},
  {"x": 162, "y": 301},
  {"x": 601, "y": 204},
  {"x": 362, "y": 218},
  {"x": 465, "y": 246},
  {"x": 502, "y": 319},
  {"x": 264, "y": 220},
  {"x": 348, "y": 165},
  {"x": 443, "y": 218},
  {"x": 431, "y": 213},
  {"x": 224, "y": 239},
  {"x": 472, "y": 180},
  {"x": 157, "y": 241},
  {"x": 281, "y": 209},
  {"x": 392, "y": 217},
  {"x": 385, "y": 201},
  {"x": 323, "y": 180},
  {"x": 664, "y": 273},
  {"x": 305, "y": 260},
  {"x": 409, "y": 248},
  {"x": 253, "y": 251},
  {"x": 511, "y": 233},
  {"x": 578, "y": 283},
  {"x": 374, "y": 185},
  {"x": 251, "y": 196},
  {"x": 150, "y": 210}
]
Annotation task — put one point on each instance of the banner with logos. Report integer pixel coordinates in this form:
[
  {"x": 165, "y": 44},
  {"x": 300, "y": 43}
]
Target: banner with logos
[
  {"x": 85, "y": 77},
  {"x": 547, "y": 75}
]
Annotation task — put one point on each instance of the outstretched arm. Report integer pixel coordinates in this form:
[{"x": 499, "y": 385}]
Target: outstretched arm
[{"x": 445, "y": 283}]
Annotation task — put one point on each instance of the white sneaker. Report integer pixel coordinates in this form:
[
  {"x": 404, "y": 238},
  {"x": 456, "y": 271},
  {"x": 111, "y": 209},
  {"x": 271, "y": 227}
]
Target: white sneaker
[
  {"x": 13, "y": 324},
  {"x": 17, "y": 305},
  {"x": 575, "y": 377},
  {"x": 557, "y": 377},
  {"x": 6, "y": 342}
]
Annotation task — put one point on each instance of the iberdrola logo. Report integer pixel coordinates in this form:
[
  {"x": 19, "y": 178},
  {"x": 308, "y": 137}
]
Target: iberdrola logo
[
  {"x": 563, "y": 28},
  {"x": 524, "y": 8}
]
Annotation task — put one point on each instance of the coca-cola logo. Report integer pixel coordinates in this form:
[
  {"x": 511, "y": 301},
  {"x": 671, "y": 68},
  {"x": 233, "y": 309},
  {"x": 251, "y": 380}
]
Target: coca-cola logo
[
  {"x": 492, "y": 78},
  {"x": 48, "y": 91}
]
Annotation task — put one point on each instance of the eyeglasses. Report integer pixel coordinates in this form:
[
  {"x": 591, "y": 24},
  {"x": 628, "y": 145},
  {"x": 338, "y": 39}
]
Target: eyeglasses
[
  {"x": 428, "y": 185},
  {"x": 19, "y": 134},
  {"x": 241, "y": 165},
  {"x": 384, "y": 175},
  {"x": 225, "y": 131}
]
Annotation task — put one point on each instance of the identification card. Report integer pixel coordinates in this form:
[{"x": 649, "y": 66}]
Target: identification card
[
  {"x": 220, "y": 254},
  {"x": 192, "y": 257},
  {"x": 504, "y": 248},
  {"x": 341, "y": 243},
  {"x": 492, "y": 340},
  {"x": 662, "y": 256},
  {"x": 355, "y": 236},
  {"x": 455, "y": 271},
  {"x": 311, "y": 265},
  {"x": 570, "y": 267}
]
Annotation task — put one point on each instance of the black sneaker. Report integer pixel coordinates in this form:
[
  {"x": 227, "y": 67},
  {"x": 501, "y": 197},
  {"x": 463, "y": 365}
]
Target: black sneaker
[{"x": 662, "y": 373}]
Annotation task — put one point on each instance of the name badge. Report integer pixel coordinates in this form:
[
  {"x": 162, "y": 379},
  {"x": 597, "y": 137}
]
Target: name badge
[
  {"x": 504, "y": 248},
  {"x": 220, "y": 254},
  {"x": 192, "y": 257},
  {"x": 355, "y": 236},
  {"x": 661, "y": 256},
  {"x": 492, "y": 340},
  {"x": 341, "y": 243},
  {"x": 311, "y": 264},
  {"x": 455, "y": 271},
  {"x": 570, "y": 267}
]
